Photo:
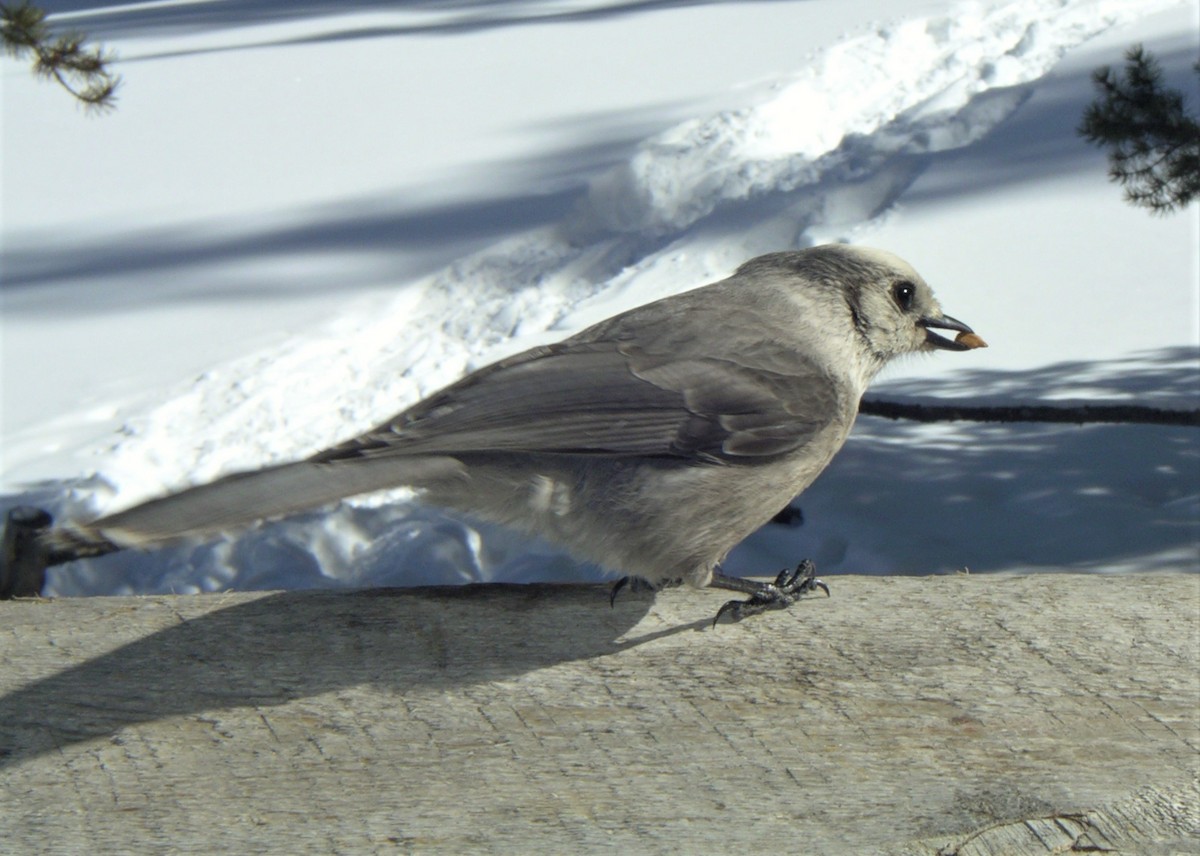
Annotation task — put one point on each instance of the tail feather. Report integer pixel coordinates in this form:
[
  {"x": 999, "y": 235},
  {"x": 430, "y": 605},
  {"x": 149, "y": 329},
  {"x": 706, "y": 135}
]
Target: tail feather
[{"x": 243, "y": 498}]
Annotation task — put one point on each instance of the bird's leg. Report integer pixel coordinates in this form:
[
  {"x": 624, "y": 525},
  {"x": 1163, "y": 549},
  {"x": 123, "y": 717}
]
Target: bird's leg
[
  {"x": 638, "y": 584},
  {"x": 789, "y": 515},
  {"x": 788, "y": 587}
]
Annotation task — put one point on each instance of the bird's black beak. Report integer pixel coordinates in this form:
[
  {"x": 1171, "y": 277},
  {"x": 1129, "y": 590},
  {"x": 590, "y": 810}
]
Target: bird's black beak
[{"x": 947, "y": 323}]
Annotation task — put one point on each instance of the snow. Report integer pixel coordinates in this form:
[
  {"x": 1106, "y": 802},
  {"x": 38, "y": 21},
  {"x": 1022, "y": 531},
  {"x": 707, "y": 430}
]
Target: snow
[{"x": 299, "y": 221}]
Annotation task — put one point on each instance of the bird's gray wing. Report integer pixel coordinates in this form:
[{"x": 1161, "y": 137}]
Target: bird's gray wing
[
  {"x": 608, "y": 398},
  {"x": 613, "y": 399}
]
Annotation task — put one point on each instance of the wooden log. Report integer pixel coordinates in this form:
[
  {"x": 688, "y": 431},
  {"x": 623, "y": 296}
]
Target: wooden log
[{"x": 960, "y": 715}]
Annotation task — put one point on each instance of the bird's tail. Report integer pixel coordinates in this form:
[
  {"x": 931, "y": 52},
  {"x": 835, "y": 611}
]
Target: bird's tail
[{"x": 243, "y": 498}]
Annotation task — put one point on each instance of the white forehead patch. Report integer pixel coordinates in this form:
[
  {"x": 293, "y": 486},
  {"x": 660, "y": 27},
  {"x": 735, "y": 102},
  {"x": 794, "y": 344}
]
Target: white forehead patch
[{"x": 883, "y": 257}]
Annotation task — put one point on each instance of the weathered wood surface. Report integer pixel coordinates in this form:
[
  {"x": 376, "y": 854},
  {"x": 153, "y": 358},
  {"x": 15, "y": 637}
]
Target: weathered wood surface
[{"x": 981, "y": 714}]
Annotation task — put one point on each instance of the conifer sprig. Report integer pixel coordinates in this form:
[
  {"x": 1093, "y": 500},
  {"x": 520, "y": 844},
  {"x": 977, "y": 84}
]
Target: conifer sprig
[
  {"x": 1153, "y": 143},
  {"x": 66, "y": 58}
]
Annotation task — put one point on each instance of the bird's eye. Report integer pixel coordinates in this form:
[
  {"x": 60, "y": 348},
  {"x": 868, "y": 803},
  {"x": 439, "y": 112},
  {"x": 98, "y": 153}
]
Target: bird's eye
[{"x": 904, "y": 293}]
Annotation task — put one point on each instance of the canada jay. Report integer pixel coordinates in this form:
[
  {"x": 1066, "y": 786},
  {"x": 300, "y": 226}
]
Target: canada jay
[{"x": 650, "y": 443}]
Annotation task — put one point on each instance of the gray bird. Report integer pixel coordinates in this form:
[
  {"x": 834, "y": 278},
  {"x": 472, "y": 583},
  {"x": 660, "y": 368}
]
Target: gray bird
[{"x": 651, "y": 443}]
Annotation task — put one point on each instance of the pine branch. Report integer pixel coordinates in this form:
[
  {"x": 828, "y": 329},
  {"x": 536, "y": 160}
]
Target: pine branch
[
  {"x": 81, "y": 70},
  {"x": 1153, "y": 144}
]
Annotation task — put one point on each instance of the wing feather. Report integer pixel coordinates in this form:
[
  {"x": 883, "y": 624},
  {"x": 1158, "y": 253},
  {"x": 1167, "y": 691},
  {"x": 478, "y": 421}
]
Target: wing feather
[{"x": 610, "y": 398}]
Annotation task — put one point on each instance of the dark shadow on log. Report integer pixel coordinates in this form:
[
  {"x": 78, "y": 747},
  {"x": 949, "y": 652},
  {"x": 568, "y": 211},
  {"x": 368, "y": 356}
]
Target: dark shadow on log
[{"x": 293, "y": 645}]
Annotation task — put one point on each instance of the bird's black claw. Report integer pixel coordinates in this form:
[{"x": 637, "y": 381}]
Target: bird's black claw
[
  {"x": 789, "y": 587},
  {"x": 615, "y": 590}
]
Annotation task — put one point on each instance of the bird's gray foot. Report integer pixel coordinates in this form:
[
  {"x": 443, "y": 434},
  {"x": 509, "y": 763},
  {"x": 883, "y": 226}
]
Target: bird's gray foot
[{"x": 789, "y": 587}]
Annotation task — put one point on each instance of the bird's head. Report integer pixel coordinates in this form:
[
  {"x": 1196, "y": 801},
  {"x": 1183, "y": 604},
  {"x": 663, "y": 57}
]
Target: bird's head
[{"x": 893, "y": 308}]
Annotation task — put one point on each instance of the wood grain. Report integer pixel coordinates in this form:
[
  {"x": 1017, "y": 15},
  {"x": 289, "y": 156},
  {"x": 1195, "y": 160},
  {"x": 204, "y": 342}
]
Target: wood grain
[{"x": 957, "y": 714}]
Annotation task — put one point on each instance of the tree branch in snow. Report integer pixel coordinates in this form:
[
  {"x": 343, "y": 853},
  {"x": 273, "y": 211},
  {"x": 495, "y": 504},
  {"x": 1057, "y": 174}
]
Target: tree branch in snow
[
  {"x": 81, "y": 70},
  {"x": 1153, "y": 144},
  {"x": 1080, "y": 415}
]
